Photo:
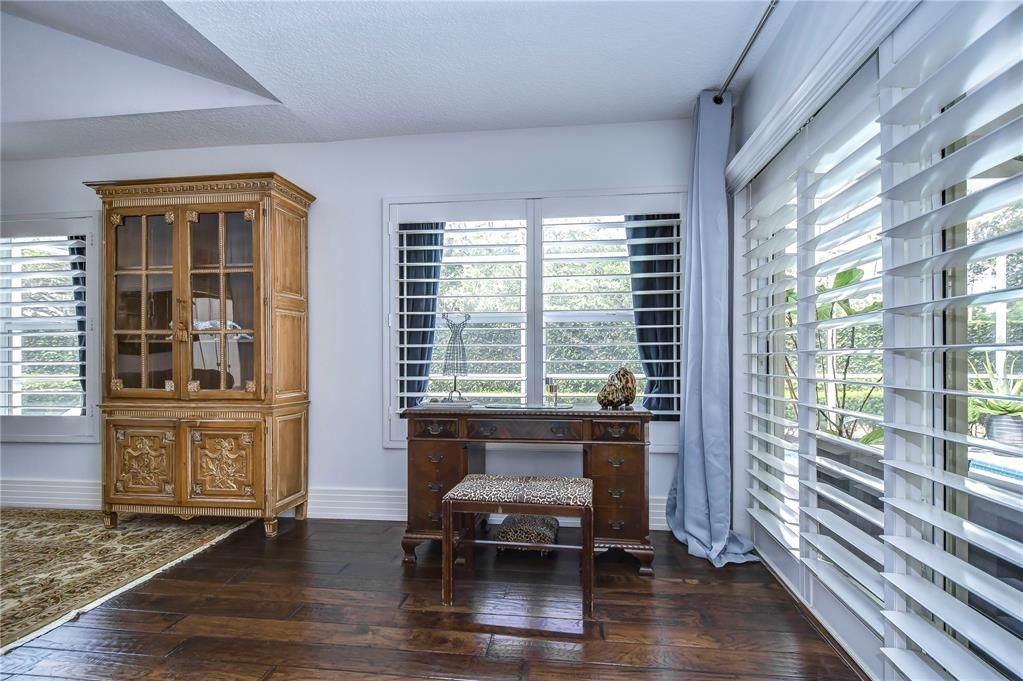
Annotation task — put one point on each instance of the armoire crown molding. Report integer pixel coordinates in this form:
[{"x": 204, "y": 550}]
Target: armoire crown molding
[{"x": 871, "y": 24}]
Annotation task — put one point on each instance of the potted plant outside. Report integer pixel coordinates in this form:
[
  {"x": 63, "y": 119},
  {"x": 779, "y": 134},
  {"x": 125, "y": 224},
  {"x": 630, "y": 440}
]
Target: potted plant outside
[{"x": 1002, "y": 418}]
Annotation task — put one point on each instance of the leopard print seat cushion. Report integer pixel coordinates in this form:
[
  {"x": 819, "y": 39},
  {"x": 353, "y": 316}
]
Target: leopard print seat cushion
[
  {"x": 523, "y": 489},
  {"x": 528, "y": 529}
]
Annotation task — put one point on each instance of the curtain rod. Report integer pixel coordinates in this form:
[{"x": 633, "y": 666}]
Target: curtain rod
[{"x": 745, "y": 51}]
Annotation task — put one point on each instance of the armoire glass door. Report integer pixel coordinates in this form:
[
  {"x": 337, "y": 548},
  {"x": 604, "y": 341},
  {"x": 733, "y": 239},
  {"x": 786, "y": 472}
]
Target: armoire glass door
[
  {"x": 143, "y": 315},
  {"x": 223, "y": 302}
]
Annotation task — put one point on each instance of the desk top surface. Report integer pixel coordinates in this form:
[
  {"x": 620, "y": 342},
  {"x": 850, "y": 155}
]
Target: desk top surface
[{"x": 581, "y": 411}]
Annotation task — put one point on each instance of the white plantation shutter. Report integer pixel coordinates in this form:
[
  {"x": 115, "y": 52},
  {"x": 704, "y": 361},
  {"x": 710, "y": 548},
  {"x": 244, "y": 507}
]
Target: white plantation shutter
[
  {"x": 42, "y": 299},
  {"x": 479, "y": 257},
  {"x": 840, "y": 347},
  {"x": 47, "y": 331},
  {"x": 771, "y": 357},
  {"x": 590, "y": 304},
  {"x": 952, "y": 116},
  {"x": 813, "y": 326}
]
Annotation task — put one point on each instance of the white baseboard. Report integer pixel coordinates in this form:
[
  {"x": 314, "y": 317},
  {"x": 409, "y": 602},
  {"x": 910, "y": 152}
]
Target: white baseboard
[
  {"x": 353, "y": 503},
  {"x": 77, "y": 494},
  {"x": 658, "y": 520},
  {"x": 349, "y": 503}
]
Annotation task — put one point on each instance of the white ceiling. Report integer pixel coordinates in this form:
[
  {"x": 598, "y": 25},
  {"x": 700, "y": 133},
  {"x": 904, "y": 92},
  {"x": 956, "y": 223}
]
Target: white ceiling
[{"x": 100, "y": 77}]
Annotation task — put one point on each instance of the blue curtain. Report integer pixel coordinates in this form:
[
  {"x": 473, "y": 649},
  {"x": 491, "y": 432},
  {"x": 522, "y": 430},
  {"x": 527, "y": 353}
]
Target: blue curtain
[
  {"x": 700, "y": 499},
  {"x": 418, "y": 271},
  {"x": 655, "y": 312}
]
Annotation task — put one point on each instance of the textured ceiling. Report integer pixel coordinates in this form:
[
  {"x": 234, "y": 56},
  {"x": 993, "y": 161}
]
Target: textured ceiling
[
  {"x": 393, "y": 68},
  {"x": 347, "y": 70}
]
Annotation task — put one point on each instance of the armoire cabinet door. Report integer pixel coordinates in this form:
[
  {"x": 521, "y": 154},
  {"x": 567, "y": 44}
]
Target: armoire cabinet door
[
  {"x": 143, "y": 461},
  {"x": 221, "y": 275},
  {"x": 142, "y": 314},
  {"x": 225, "y": 463}
]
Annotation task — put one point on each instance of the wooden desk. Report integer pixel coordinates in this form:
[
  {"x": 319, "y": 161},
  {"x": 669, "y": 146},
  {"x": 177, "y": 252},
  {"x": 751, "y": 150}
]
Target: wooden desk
[{"x": 445, "y": 445}]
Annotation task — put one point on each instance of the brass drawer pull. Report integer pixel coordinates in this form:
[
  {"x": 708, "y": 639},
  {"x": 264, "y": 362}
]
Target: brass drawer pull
[
  {"x": 616, "y": 524},
  {"x": 433, "y": 516},
  {"x": 616, "y": 461},
  {"x": 616, "y": 492},
  {"x": 434, "y": 486},
  {"x": 616, "y": 431},
  {"x": 559, "y": 431},
  {"x": 435, "y": 429},
  {"x": 487, "y": 431},
  {"x": 435, "y": 458}
]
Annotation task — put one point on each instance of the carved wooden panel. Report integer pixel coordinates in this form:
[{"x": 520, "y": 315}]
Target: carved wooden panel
[
  {"x": 289, "y": 272},
  {"x": 224, "y": 463},
  {"x": 290, "y": 454},
  {"x": 289, "y": 354},
  {"x": 142, "y": 460}
]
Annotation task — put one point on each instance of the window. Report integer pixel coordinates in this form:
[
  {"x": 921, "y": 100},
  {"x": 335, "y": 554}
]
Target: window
[
  {"x": 771, "y": 352},
  {"x": 473, "y": 267},
  {"x": 814, "y": 332},
  {"x": 955, "y": 241},
  {"x": 567, "y": 289},
  {"x": 906, "y": 191},
  {"x": 47, "y": 384},
  {"x": 611, "y": 298}
]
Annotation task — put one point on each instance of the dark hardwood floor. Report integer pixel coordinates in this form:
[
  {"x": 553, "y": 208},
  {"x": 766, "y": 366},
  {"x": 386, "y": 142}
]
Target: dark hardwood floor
[{"x": 331, "y": 600}]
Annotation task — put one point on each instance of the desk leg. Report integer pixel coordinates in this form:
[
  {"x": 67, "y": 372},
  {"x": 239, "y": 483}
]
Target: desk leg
[
  {"x": 408, "y": 546},
  {"x": 646, "y": 559}
]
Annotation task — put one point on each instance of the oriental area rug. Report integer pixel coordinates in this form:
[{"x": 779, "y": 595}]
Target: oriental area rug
[{"x": 57, "y": 563}]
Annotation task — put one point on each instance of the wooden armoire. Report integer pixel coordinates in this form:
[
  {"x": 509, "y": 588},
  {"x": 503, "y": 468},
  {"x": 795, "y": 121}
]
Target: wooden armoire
[{"x": 205, "y": 400}]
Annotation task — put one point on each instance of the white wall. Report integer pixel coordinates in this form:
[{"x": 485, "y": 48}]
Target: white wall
[
  {"x": 810, "y": 28},
  {"x": 346, "y": 330}
]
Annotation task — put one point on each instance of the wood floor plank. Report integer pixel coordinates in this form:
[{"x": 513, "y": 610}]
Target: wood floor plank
[
  {"x": 130, "y": 620},
  {"x": 257, "y": 592},
  {"x": 498, "y": 605},
  {"x": 689, "y": 659},
  {"x": 186, "y": 604},
  {"x": 561, "y": 671},
  {"x": 296, "y": 674},
  {"x": 108, "y": 667},
  {"x": 436, "y": 640},
  {"x": 107, "y": 641},
  {"x": 351, "y": 658},
  {"x": 714, "y": 637},
  {"x": 547, "y": 627}
]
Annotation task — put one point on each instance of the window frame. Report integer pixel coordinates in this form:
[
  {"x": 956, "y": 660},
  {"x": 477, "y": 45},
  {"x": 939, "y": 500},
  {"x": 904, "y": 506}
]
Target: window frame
[
  {"x": 65, "y": 429},
  {"x": 664, "y": 434}
]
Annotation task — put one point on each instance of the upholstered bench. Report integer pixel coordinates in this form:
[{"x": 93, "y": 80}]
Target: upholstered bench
[{"x": 525, "y": 495}]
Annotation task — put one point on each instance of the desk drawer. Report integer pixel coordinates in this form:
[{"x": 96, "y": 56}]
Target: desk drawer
[
  {"x": 424, "y": 514},
  {"x": 610, "y": 461},
  {"x": 617, "y": 431},
  {"x": 436, "y": 460},
  {"x": 620, "y": 490},
  {"x": 622, "y": 522},
  {"x": 540, "y": 429},
  {"x": 439, "y": 428}
]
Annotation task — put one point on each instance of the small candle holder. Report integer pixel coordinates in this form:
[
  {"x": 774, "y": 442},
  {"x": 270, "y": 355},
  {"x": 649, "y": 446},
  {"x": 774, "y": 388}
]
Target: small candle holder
[{"x": 551, "y": 388}]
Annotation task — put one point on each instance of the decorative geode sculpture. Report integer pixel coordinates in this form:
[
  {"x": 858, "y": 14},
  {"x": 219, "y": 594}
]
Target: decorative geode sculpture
[{"x": 619, "y": 391}]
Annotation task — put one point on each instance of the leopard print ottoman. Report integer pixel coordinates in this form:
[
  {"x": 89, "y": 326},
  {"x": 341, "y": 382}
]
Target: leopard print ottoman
[
  {"x": 528, "y": 529},
  {"x": 554, "y": 490}
]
